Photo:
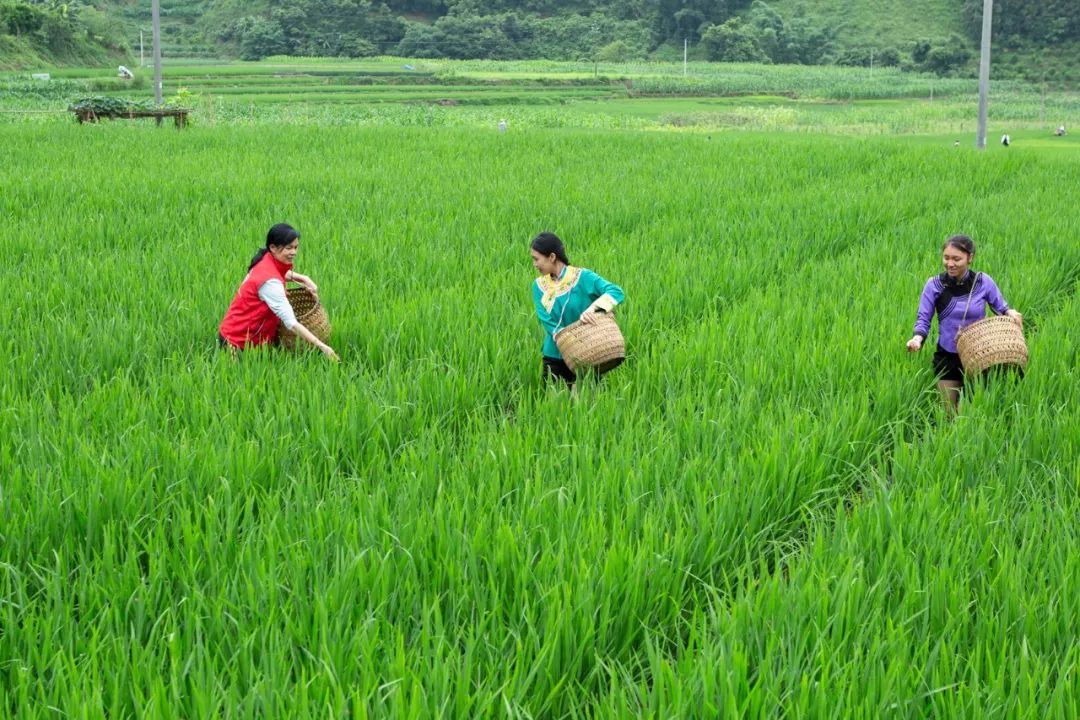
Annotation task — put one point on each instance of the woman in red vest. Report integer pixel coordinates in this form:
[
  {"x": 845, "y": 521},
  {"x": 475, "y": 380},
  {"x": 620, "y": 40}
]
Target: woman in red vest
[{"x": 260, "y": 304}]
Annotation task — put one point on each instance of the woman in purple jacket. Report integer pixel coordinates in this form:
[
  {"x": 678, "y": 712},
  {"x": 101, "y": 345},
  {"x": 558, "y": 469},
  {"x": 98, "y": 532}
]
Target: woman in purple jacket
[{"x": 959, "y": 298}]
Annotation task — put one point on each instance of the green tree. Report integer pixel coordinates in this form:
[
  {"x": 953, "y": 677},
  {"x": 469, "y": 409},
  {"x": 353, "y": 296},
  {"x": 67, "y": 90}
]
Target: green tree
[
  {"x": 615, "y": 51},
  {"x": 732, "y": 42},
  {"x": 920, "y": 50},
  {"x": 21, "y": 19},
  {"x": 798, "y": 41},
  {"x": 259, "y": 38},
  {"x": 420, "y": 41},
  {"x": 948, "y": 56},
  {"x": 1048, "y": 21},
  {"x": 458, "y": 37}
]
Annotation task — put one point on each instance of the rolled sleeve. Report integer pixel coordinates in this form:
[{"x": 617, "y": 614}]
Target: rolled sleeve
[{"x": 605, "y": 302}]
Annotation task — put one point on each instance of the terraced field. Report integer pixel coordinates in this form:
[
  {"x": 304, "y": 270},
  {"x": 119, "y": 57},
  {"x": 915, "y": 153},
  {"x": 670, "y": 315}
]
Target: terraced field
[{"x": 389, "y": 92}]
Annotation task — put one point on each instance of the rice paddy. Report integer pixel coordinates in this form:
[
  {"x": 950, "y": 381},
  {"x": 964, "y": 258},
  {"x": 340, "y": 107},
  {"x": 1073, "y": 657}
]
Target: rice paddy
[
  {"x": 542, "y": 94},
  {"x": 764, "y": 512}
]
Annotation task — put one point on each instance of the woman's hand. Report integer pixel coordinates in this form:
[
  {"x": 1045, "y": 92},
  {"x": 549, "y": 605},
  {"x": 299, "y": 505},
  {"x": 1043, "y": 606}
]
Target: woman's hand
[
  {"x": 1017, "y": 317},
  {"x": 308, "y": 284},
  {"x": 589, "y": 316},
  {"x": 915, "y": 343},
  {"x": 311, "y": 287},
  {"x": 310, "y": 337}
]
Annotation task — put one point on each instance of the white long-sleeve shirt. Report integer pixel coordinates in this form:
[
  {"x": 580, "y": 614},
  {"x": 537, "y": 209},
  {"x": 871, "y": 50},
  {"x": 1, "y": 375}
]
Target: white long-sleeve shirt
[{"x": 272, "y": 292}]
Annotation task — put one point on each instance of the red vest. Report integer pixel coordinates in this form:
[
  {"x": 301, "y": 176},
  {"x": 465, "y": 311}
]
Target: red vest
[{"x": 250, "y": 321}]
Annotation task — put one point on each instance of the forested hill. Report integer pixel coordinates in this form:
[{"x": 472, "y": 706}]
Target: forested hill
[{"x": 1034, "y": 39}]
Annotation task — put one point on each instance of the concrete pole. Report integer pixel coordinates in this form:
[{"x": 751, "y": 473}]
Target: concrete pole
[
  {"x": 984, "y": 72},
  {"x": 156, "y": 18}
]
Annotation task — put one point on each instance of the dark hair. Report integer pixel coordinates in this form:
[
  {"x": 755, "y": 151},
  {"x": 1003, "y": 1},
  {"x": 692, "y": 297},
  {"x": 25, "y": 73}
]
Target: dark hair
[
  {"x": 547, "y": 243},
  {"x": 279, "y": 236},
  {"x": 962, "y": 243}
]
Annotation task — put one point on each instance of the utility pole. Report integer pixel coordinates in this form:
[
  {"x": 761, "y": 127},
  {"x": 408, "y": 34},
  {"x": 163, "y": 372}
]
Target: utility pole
[
  {"x": 155, "y": 12},
  {"x": 1042, "y": 102},
  {"x": 984, "y": 72},
  {"x": 142, "y": 60},
  {"x": 594, "y": 40},
  {"x": 684, "y": 48},
  {"x": 871, "y": 61}
]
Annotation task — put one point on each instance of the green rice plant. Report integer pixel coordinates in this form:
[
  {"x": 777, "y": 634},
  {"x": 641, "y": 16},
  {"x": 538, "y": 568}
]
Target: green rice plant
[
  {"x": 710, "y": 97},
  {"x": 943, "y": 593},
  {"x": 762, "y": 512}
]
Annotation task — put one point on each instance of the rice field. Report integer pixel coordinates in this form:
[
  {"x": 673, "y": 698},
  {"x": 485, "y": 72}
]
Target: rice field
[
  {"x": 393, "y": 92},
  {"x": 763, "y": 513}
]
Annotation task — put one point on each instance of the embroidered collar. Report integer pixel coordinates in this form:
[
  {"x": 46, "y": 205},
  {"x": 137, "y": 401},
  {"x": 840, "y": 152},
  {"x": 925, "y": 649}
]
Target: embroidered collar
[
  {"x": 949, "y": 281},
  {"x": 552, "y": 288}
]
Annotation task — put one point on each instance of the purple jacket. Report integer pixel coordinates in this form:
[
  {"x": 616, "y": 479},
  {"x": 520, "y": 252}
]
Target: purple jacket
[{"x": 949, "y": 298}]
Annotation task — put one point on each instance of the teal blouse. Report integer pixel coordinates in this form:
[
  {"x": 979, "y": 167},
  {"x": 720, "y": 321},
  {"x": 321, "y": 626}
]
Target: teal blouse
[{"x": 561, "y": 302}]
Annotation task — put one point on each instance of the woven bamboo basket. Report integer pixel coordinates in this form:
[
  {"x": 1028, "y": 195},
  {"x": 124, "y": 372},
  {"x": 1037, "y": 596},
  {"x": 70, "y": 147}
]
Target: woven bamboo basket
[
  {"x": 993, "y": 341},
  {"x": 600, "y": 346},
  {"x": 309, "y": 313}
]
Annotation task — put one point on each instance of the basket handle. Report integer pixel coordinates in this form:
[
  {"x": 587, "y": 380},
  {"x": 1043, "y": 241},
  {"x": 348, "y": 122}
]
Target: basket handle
[
  {"x": 569, "y": 291},
  {"x": 972, "y": 290},
  {"x": 301, "y": 290},
  {"x": 558, "y": 326}
]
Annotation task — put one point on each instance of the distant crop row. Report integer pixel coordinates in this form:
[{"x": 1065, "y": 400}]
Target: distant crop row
[{"x": 709, "y": 78}]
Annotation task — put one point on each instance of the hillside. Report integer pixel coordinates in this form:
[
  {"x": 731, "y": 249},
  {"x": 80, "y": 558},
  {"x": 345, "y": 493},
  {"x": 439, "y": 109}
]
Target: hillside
[
  {"x": 880, "y": 23},
  {"x": 32, "y": 34},
  {"x": 1034, "y": 40},
  {"x": 1031, "y": 40}
]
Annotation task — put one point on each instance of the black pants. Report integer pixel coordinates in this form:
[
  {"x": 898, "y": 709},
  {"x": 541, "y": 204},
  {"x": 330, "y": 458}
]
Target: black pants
[
  {"x": 224, "y": 344},
  {"x": 557, "y": 371},
  {"x": 947, "y": 365}
]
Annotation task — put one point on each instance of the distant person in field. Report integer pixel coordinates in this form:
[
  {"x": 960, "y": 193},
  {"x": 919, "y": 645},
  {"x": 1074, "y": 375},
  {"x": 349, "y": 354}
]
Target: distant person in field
[
  {"x": 959, "y": 298},
  {"x": 562, "y": 295},
  {"x": 1005, "y": 140},
  {"x": 502, "y": 127},
  {"x": 1060, "y": 132},
  {"x": 260, "y": 305}
]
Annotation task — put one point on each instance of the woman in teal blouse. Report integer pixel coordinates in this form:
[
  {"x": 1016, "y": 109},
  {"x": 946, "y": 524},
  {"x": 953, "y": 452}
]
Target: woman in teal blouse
[{"x": 564, "y": 294}]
